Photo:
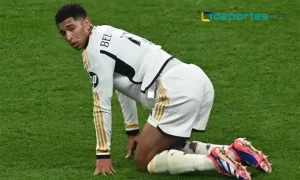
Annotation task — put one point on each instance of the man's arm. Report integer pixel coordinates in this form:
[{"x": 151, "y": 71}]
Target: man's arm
[
  {"x": 130, "y": 115},
  {"x": 101, "y": 75}
]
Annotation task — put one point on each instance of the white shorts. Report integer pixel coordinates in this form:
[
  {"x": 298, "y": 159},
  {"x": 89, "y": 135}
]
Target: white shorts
[{"x": 183, "y": 101}]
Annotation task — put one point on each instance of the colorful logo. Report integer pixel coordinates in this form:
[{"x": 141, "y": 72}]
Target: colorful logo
[
  {"x": 209, "y": 16},
  {"x": 203, "y": 16}
]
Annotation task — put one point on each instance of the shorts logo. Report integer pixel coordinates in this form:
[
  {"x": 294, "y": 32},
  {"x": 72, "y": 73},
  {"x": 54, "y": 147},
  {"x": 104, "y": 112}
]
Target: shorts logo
[{"x": 94, "y": 79}]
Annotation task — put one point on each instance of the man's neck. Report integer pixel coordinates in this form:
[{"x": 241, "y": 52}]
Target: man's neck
[{"x": 90, "y": 32}]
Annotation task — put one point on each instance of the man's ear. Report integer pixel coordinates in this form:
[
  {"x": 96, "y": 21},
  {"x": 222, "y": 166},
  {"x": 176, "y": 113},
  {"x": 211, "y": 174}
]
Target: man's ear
[{"x": 87, "y": 22}]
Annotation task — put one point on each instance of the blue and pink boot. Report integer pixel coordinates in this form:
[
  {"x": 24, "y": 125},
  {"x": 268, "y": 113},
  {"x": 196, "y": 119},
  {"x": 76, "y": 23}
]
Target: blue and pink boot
[{"x": 249, "y": 156}]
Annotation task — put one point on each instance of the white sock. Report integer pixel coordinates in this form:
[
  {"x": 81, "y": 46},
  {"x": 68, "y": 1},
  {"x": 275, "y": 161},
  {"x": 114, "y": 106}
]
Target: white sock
[
  {"x": 178, "y": 162},
  {"x": 196, "y": 147}
]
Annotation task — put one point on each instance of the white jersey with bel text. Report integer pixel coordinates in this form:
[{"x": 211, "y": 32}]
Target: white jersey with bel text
[{"x": 130, "y": 64}]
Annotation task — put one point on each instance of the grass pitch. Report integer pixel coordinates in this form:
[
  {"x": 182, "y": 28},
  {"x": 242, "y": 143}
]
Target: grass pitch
[{"x": 47, "y": 129}]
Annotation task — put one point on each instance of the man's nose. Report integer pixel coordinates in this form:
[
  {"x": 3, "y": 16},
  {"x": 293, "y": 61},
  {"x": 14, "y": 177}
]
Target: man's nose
[{"x": 69, "y": 37}]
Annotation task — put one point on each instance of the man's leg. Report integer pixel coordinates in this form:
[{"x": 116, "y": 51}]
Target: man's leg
[
  {"x": 153, "y": 154},
  {"x": 240, "y": 150},
  {"x": 172, "y": 119},
  {"x": 197, "y": 147}
]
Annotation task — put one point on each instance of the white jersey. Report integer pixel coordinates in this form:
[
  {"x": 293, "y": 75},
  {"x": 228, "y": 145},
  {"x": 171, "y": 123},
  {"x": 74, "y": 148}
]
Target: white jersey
[{"x": 116, "y": 59}]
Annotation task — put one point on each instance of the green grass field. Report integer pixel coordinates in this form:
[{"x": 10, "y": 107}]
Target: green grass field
[{"x": 47, "y": 130}]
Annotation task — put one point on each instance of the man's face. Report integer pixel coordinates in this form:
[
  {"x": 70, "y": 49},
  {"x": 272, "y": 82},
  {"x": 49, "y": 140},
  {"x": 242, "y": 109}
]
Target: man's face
[{"x": 75, "y": 32}]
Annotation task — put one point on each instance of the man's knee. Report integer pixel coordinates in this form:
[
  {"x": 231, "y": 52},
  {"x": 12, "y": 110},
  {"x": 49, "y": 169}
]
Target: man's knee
[
  {"x": 141, "y": 164},
  {"x": 143, "y": 159},
  {"x": 151, "y": 142},
  {"x": 178, "y": 145}
]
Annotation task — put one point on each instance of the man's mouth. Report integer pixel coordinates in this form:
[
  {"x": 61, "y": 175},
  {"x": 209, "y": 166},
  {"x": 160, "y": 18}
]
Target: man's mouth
[{"x": 74, "y": 45}]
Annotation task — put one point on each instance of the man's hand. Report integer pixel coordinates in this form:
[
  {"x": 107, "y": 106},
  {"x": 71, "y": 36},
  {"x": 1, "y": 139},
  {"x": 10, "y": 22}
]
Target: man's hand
[
  {"x": 104, "y": 166},
  {"x": 132, "y": 142}
]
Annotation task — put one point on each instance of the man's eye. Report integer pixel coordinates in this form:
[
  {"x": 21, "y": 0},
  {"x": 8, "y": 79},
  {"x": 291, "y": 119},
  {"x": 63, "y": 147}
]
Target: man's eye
[{"x": 62, "y": 33}]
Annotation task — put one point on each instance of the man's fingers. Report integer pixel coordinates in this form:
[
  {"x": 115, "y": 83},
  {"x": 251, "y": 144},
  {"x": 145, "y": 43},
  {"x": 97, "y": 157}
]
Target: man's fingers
[
  {"x": 104, "y": 167},
  {"x": 108, "y": 170},
  {"x": 128, "y": 153},
  {"x": 112, "y": 170},
  {"x": 134, "y": 146},
  {"x": 102, "y": 171},
  {"x": 130, "y": 148},
  {"x": 97, "y": 171}
]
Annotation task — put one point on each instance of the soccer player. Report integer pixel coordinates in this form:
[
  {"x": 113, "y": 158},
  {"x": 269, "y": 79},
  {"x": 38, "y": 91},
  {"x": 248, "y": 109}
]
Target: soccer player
[{"x": 180, "y": 96}]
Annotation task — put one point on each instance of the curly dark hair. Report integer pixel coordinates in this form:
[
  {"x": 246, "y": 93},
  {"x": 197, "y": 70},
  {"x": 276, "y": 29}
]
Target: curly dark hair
[{"x": 70, "y": 10}]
